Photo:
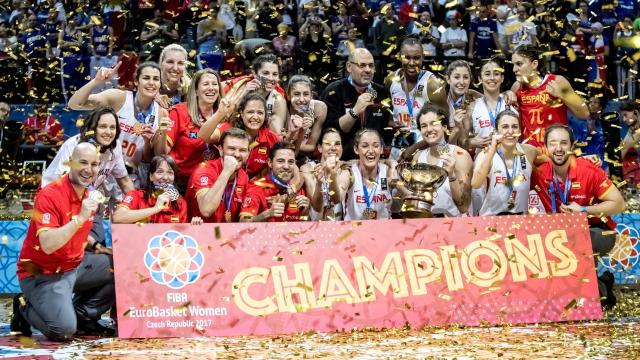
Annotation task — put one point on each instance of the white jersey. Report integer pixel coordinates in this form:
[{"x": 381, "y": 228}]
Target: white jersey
[
  {"x": 131, "y": 131},
  {"x": 111, "y": 164},
  {"x": 443, "y": 203},
  {"x": 483, "y": 118},
  {"x": 498, "y": 193},
  {"x": 402, "y": 113},
  {"x": 379, "y": 197}
]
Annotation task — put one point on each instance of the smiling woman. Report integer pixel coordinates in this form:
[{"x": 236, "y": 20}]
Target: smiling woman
[
  {"x": 139, "y": 113},
  {"x": 102, "y": 129}
]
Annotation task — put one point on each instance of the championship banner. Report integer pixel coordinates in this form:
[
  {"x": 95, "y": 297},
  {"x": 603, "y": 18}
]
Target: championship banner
[{"x": 179, "y": 280}]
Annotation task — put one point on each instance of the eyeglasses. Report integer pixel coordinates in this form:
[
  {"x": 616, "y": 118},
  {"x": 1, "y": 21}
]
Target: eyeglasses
[{"x": 362, "y": 66}]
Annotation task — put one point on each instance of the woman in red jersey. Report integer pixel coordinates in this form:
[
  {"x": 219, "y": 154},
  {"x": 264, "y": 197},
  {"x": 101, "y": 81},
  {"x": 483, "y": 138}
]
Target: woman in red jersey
[
  {"x": 183, "y": 144},
  {"x": 543, "y": 99},
  {"x": 159, "y": 202}
]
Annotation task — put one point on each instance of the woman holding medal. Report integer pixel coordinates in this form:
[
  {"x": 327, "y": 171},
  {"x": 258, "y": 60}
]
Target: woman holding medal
[
  {"x": 159, "y": 202},
  {"x": 454, "y": 195},
  {"x": 138, "y": 111},
  {"x": 253, "y": 119},
  {"x": 481, "y": 121},
  {"x": 264, "y": 78},
  {"x": 506, "y": 166},
  {"x": 320, "y": 178},
  {"x": 366, "y": 189},
  {"x": 182, "y": 141},
  {"x": 459, "y": 76},
  {"x": 306, "y": 114}
]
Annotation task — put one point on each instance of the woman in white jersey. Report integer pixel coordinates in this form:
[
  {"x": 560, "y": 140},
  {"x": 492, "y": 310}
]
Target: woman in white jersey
[
  {"x": 410, "y": 88},
  {"x": 365, "y": 190},
  {"x": 138, "y": 112},
  {"x": 320, "y": 178},
  {"x": 264, "y": 79},
  {"x": 306, "y": 115},
  {"x": 102, "y": 129},
  {"x": 504, "y": 169},
  {"x": 459, "y": 77},
  {"x": 454, "y": 196},
  {"x": 480, "y": 122}
]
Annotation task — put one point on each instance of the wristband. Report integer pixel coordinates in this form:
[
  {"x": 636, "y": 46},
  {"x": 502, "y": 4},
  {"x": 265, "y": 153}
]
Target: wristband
[
  {"x": 583, "y": 209},
  {"x": 353, "y": 114}
]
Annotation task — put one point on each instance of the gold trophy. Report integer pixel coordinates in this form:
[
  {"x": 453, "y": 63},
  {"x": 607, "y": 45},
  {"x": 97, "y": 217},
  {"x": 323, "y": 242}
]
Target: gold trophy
[{"x": 423, "y": 180}]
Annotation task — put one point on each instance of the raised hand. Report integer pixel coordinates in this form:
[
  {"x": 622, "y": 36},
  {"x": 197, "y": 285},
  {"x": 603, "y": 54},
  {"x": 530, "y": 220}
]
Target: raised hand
[{"x": 106, "y": 74}]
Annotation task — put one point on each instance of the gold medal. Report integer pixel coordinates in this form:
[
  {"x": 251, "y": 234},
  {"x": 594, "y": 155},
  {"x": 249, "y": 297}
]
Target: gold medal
[
  {"x": 227, "y": 216},
  {"x": 137, "y": 128},
  {"x": 367, "y": 214}
]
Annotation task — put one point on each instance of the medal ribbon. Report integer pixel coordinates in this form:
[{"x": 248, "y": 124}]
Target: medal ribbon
[
  {"x": 506, "y": 169},
  {"x": 280, "y": 183},
  {"x": 365, "y": 190},
  {"x": 564, "y": 195},
  {"x": 409, "y": 99},
  {"x": 228, "y": 193},
  {"x": 493, "y": 114},
  {"x": 141, "y": 118}
]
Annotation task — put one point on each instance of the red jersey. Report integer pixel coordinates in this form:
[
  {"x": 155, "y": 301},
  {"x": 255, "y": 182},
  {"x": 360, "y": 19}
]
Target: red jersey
[
  {"x": 186, "y": 147},
  {"x": 55, "y": 205},
  {"x": 258, "y": 150},
  {"x": 43, "y": 129},
  {"x": 176, "y": 213},
  {"x": 258, "y": 199},
  {"x": 538, "y": 110},
  {"x": 587, "y": 182},
  {"x": 203, "y": 179}
]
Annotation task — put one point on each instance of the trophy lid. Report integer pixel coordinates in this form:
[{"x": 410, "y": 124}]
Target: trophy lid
[{"x": 431, "y": 175}]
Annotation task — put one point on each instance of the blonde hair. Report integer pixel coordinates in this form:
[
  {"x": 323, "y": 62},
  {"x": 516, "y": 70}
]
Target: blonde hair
[
  {"x": 192, "y": 95},
  {"x": 186, "y": 80}
]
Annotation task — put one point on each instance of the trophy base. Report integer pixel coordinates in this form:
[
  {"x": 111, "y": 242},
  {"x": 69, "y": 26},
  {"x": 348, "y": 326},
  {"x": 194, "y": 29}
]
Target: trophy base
[{"x": 415, "y": 209}]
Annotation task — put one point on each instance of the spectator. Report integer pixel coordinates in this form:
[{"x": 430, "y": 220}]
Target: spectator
[
  {"x": 285, "y": 46},
  {"x": 227, "y": 15},
  {"x": 316, "y": 49},
  {"x": 42, "y": 128},
  {"x": 522, "y": 31},
  {"x": 8, "y": 40},
  {"x": 10, "y": 140},
  {"x": 428, "y": 32},
  {"x": 70, "y": 43},
  {"x": 483, "y": 34},
  {"x": 626, "y": 66},
  {"x": 34, "y": 47},
  {"x": 101, "y": 44},
  {"x": 385, "y": 35},
  {"x": 267, "y": 19},
  {"x": 504, "y": 18},
  {"x": 597, "y": 50},
  {"x": 210, "y": 36},
  {"x": 351, "y": 43},
  {"x": 454, "y": 39},
  {"x": 156, "y": 34},
  {"x": 340, "y": 24}
]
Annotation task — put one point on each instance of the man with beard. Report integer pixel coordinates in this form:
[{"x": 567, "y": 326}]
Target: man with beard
[
  {"x": 65, "y": 287},
  {"x": 568, "y": 184},
  {"x": 353, "y": 103},
  {"x": 217, "y": 187},
  {"x": 273, "y": 198}
]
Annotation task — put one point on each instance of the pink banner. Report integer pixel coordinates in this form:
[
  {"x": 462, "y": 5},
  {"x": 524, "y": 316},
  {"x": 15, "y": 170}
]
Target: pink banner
[{"x": 274, "y": 278}]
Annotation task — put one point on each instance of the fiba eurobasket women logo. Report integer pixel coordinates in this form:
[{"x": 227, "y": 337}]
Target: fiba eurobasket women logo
[
  {"x": 173, "y": 259},
  {"x": 625, "y": 253}
]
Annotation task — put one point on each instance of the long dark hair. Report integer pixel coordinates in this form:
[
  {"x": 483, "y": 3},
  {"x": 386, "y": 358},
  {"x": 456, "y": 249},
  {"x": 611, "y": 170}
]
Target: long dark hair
[
  {"x": 88, "y": 129},
  {"x": 532, "y": 52},
  {"x": 252, "y": 96},
  {"x": 153, "y": 166}
]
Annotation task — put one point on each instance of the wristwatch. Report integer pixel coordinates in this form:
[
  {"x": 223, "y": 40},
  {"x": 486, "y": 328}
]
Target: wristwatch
[{"x": 353, "y": 114}]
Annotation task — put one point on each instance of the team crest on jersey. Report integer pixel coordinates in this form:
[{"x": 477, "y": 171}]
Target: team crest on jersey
[
  {"x": 204, "y": 180},
  {"x": 128, "y": 199},
  {"x": 262, "y": 151},
  {"x": 193, "y": 135},
  {"x": 247, "y": 202},
  {"x": 46, "y": 218},
  {"x": 420, "y": 89}
]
